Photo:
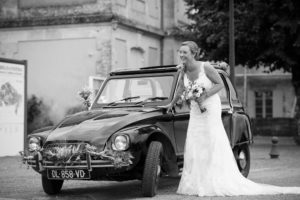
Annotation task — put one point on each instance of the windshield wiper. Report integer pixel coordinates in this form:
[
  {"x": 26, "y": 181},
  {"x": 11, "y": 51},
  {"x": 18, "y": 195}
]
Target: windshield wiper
[
  {"x": 151, "y": 99},
  {"x": 125, "y": 99}
]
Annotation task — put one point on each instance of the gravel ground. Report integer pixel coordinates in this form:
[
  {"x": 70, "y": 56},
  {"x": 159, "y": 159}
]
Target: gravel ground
[{"x": 18, "y": 182}]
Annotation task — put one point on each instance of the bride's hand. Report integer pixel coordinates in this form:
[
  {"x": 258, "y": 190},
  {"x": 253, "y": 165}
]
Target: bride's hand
[
  {"x": 168, "y": 107},
  {"x": 202, "y": 98},
  {"x": 180, "y": 67}
]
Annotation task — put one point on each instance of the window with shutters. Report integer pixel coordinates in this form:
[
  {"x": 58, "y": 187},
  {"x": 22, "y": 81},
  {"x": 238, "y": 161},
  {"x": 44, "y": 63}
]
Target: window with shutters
[{"x": 264, "y": 104}]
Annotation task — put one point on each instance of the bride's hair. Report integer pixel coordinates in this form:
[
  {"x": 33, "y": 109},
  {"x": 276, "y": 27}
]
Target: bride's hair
[{"x": 193, "y": 47}]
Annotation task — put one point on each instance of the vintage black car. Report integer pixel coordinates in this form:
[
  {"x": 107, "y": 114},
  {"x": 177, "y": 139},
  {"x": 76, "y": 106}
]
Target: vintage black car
[{"x": 127, "y": 134}]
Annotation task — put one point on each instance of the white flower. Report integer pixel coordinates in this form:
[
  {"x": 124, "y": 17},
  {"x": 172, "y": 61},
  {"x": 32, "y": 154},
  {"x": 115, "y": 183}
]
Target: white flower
[
  {"x": 198, "y": 94},
  {"x": 190, "y": 94},
  {"x": 193, "y": 90}
]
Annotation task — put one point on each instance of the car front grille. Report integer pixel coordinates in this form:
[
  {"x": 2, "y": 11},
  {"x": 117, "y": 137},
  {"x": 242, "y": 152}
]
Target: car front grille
[
  {"x": 70, "y": 155},
  {"x": 65, "y": 152}
]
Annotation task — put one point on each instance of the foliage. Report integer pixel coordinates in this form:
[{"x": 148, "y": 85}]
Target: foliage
[
  {"x": 85, "y": 94},
  {"x": 70, "y": 154},
  {"x": 37, "y": 114},
  {"x": 266, "y": 32}
]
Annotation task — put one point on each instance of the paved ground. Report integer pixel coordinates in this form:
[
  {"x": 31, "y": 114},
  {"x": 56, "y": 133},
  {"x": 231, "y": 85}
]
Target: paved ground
[{"x": 18, "y": 182}]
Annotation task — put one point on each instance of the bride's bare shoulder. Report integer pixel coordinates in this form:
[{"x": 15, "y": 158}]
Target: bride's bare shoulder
[
  {"x": 207, "y": 64},
  {"x": 207, "y": 67}
]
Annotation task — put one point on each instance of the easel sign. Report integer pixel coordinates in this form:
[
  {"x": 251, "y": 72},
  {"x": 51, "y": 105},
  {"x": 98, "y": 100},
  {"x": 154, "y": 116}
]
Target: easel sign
[{"x": 13, "y": 109}]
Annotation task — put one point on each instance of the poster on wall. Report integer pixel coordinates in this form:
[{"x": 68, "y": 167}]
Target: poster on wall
[{"x": 13, "y": 120}]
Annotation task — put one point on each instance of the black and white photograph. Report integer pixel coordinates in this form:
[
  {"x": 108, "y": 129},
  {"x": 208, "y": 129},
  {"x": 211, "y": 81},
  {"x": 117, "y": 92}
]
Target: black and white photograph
[{"x": 149, "y": 99}]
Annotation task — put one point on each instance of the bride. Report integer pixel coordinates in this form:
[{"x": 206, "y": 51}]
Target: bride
[{"x": 209, "y": 165}]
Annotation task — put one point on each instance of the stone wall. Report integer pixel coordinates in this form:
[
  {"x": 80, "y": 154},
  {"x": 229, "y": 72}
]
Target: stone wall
[
  {"x": 283, "y": 95},
  {"x": 274, "y": 127},
  {"x": 10, "y": 9},
  {"x": 60, "y": 60}
]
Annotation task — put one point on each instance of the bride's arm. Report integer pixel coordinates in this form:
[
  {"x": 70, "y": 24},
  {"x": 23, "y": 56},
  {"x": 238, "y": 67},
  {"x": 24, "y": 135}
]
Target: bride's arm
[
  {"x": 178, "y": 92},
  {"x": 215, "y": 78}
]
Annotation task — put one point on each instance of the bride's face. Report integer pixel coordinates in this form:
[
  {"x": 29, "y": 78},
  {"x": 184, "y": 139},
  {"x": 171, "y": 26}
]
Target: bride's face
[{"x": 185, "y": 54}]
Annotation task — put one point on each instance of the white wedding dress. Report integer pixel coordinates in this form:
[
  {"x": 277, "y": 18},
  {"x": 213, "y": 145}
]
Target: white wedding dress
[{"x": 209, "y": 167}]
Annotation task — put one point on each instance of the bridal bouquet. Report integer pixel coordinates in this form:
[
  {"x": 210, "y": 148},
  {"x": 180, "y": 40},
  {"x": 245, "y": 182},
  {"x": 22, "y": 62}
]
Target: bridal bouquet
[{"x": 192, "y": 91}]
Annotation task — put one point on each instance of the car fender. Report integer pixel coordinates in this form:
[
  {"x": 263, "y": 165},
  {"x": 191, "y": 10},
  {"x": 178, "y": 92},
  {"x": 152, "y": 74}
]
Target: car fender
[
  {"x": 142, "y": 135},
  {"x": 43, "y": 133}
]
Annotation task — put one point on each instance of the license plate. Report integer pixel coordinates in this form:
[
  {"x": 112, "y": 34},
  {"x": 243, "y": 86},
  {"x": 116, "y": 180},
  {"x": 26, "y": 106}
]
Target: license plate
[{"x": 68, "y": 174}]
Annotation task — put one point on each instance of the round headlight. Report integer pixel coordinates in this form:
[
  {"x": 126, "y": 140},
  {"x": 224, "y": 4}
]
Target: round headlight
[
  {"x": 121, "y": 143},
  {"x": 34, "y": 144}
]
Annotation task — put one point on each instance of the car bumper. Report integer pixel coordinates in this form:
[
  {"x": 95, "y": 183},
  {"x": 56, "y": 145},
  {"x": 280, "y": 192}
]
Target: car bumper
[{"x": 40, "y": 165}]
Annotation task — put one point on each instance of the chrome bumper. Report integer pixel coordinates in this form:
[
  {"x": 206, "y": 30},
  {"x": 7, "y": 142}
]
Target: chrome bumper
[{"x": 36, "y": 161}]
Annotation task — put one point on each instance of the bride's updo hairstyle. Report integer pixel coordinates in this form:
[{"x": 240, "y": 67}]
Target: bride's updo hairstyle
[{"x": 193, "y": 48}]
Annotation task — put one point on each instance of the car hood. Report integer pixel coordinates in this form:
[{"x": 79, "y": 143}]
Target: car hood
[{"x": 96, "y": 126}]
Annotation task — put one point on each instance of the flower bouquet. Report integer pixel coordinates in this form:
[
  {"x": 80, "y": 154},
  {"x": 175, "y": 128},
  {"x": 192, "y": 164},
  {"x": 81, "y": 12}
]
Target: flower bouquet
[
  {"x": 85, "y": 94},
  {"x": 193, "y": 91}
]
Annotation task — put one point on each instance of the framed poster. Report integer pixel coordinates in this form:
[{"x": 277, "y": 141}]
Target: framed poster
[{"x": 13, "y": 109}]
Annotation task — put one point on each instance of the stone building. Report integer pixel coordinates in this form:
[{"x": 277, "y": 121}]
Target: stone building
[
  {"x": 269, "y": 99},
  {"x": 72, "y": 43}
]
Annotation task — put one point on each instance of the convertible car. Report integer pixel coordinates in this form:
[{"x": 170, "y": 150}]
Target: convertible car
[{"x": 127, "y": 134}]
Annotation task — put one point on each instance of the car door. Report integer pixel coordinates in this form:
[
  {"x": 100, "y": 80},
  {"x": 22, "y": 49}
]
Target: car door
[
  {"x": 181, "y": 120},
  {"x": 238, "y": 116},
  {"x": 226, "y": 107},
  {"x": 231, "y": 112},
  {"x": 181, "y": 116}
]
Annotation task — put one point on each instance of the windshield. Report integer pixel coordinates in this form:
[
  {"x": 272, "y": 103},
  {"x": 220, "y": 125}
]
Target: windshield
[{"x": 136, "y": 89}]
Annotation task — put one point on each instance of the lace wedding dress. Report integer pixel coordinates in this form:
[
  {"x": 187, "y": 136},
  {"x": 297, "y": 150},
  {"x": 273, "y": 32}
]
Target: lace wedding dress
[{"x": 210, "y": 168}]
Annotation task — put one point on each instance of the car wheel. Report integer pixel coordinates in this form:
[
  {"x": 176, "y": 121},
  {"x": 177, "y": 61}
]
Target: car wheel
[
  {"x": 51, "y": 187},
  {"x": 242, "y": 156},
  {"x": 152, "y": 169}
]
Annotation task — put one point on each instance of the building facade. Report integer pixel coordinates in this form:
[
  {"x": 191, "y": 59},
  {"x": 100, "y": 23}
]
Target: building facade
[
  {"x": 266, "y": 94},
  {"x": 70, "y": 44},
  {"x": 270, "y": 100}
]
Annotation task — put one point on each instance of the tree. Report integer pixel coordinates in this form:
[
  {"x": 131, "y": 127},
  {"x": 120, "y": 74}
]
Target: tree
[
  {"x": 267, "y": 33},
  {"x": 37, "y": 114}
]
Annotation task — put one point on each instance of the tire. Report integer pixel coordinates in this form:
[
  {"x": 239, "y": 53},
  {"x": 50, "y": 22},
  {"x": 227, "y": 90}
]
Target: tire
[
  {"x": 242, "y": 157},
  {"x": 51, "y": 187},
  {"x": 152, "y": 169}
]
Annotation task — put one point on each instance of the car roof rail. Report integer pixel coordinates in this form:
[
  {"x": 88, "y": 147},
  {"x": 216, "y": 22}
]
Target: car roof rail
[
  {"x": 159, "y": 66},
  {"x": 220, "y": 66},
  {"x": 217, "y": 65},
  {"x": 151, "y": 69}
]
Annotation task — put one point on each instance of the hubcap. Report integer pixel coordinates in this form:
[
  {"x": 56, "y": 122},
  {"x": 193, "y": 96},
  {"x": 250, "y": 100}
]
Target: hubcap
[
  {"x": 158, "y": 170},
  {"x": 157, "y": 177},
  {"x": 242, "y": 159}
]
